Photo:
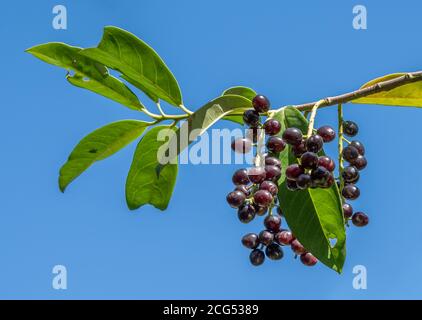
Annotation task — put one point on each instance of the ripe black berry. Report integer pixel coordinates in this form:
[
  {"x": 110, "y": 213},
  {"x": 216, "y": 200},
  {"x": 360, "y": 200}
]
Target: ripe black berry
[
  {"x": 246, "y": 213},
  {"x": 291, "y": 185},
  {"x": 251, "y": 118},
  {"x": 236, "y": 198},
  {"x": 309, "y": 160},
  {"x": 274, "y": 252},
  {"x": 350, "y": 128},
  {"x": 350, "y": 153},
  {"x": 351, "y": 192},
  {"x": 327, "y": 163},
  {"x": 240, "y": 177},
  {"x": 358, "y": 145},
  {"x": 297, "y": 247},
  {"x": 327, "y": 133},
  {"x": 292, "y": 136},
  {"x": 308, "y": 259},
  {"x": 304, "y": 181},
  {"x": 257, "y": 174},
  {"x": 242, "y": 145},
  {"x": 272, "y": 161},
  {"x": 314, "y": 143},
  {"x": 272, "y": 223},
  {"x": 328, "y": 182},
  {"x": 275, "y": 144},
  {"x": 266, "y": 237},
  {"x": 347, "y": 211},
  {"x": 261, "y": 103},
  {"x": 243, "y": 189},
  {"x": 294, "y": 171},
  {"x": 299, "y": 149},
  {"x": 272, "y": 127},
  {"x": 257, "y": 257},
  {"x": 284, "y": 237},
  {"x": 269, "y": 186},
  {"x": 250, "y": 240},
  {"x": 263, "y": 198},
  {"x": 360, "y": 219},
  {"x": 360, "y": 162},
  {"x": 320, "y": 175},
  {"x": 273, "y": 173},
  {"x": 350, "y": 174}
]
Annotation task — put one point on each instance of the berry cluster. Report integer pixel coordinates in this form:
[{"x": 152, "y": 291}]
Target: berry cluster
[
  {"x": 354, "y": 154},
  {"x": 272, "y": 238}
]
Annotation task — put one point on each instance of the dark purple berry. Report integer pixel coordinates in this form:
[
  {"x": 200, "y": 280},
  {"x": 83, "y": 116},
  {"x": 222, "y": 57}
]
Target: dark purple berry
[
  {"x": 242, "y": 145},
  {"x": 308, "y": 259},
  {"x": 299, "y": 149},
  {"x": 351, "y": 192},
  {"x": 273, "y": 173},
  {"x": 250, "y": 240},
  {"x": 291, "y": 185},
  {"x": 272, "y": 161},
  {"x": 292, "y": 136},
  {"x": 360, "y": 219},
  {"x": 350, "y": 174},
  {"x": 246, "y": 213},
  {"x": 347, "y": 211},
  {"x": 257, "y": 257},
  {"x": 236, "y": 198},
  {"x": 327, "y": 133},
  {"x": 251, "y": 118},
  {"x": 266, "y": 237},
  {"x": 294, "y": 171},
  {"x": 284, "y": 237},
  {"x": 257, "y": 174},
  {"x": 360, "y": 162},
  {"x": 274, "y": 251},
  {"x": 272, "y": 223},
  {"x": 240, "y": 177},
  {"x": 350, "y": 153},
  {"x": 243, "y": 189},
  {"x": 358, "y": 145},
  {"x": 297, "y": 247},
  {"x": 314, "y": 143},
  {"x": 327, "y": 163},
  {"x": 309, "y": 160},
  {"x": 275, "y": 144},
  {"x": 320, "y": 175},
  {"x": 263, "y": 198},
  {"x": 328, "y": 182},
  {"x": 350, "y": 128},
  {"x": 272, "y": 127},
  {"x": 269, "y": 186},
  {"x": 261, "y": 103},
  {"x": 304, "y": 181}
]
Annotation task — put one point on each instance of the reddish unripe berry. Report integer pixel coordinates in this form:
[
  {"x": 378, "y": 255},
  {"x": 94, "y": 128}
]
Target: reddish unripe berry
[
  {"x": 269, "y": 186},
  {"x": 308, "y": 259},
  {"x": 294, "y": 171},
  {"x": 327, "y": 163},
  {"x": 263, "y": 198},
  {"x": 297, "y": 247},
  {"x": 272, "y": 127},
  {"x": 327, "y": 133},
  {"x": 284, "y": 237}
]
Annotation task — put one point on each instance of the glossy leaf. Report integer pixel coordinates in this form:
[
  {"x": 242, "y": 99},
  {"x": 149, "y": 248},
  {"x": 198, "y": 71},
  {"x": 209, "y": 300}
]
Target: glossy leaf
[
  {"x": 143, "y": 186},
  {"x": 241, "y": 91},
  {"x": 138, "y": 62},
  {"x": 99, "y": 145},
  {"x": 314, "y": 215},
  {"x": 202, "y": 119},
  {"x": 408, "y": 95},
  {"x": 89, "y": 74}
]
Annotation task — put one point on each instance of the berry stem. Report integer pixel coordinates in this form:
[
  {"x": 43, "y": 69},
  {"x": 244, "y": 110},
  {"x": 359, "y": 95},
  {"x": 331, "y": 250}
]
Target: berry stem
[
  {"x": 340, "y": 145},
  {"x": 348, "y": 141},
  {"x": 312, "y": 117},
  {"x": 161, "y": 109}
]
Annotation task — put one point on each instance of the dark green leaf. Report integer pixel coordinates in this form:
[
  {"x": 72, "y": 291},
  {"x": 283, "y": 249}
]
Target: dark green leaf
[
  {"x": 138, "y": 62},
  {"x": 99, "y": 145},
  {"x": 88, "y": 74},
  {"x": 202, "y": 119},
  {"x": 315, "y": 216},
  {"x": 143, "y": 186}
]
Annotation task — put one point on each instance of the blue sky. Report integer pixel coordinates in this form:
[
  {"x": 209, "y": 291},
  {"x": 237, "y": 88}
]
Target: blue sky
[{"x": 292, "y": 51}]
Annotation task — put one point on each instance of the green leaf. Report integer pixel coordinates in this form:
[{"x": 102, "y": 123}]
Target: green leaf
[
  {"x": 201, "y": 120},
  {"x": 89, "y": 74},
  {"x": 241, "y": 91},
  {"x": 143, "y": 186},
  {"x": 138, "y": 62},
  {"x": 246, "y": 92},
  {"x": 315, "y": 216},
  {"x": 408, "y": 95},
  {"x": 99, "y": 145}
]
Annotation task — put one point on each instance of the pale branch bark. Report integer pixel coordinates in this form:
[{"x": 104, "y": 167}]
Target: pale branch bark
[{"x": 378, "y": 87}]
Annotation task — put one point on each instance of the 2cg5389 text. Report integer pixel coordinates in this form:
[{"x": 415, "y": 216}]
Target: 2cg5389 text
[{"x": 218, "y": 309}]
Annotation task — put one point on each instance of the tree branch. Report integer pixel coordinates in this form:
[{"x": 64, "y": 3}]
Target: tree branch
[{"x": 379, "y": 87}]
